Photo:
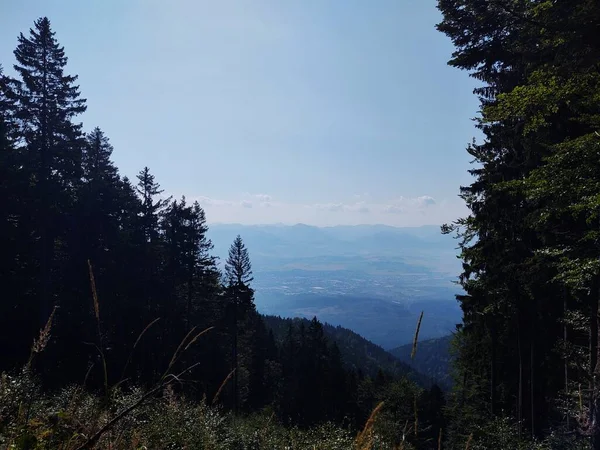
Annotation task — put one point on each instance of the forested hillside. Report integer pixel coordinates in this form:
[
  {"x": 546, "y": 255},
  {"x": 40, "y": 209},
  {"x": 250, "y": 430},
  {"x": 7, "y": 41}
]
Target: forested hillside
[
  {"x": 433, "y": 360},
  {"x": 358, "y": 354}
]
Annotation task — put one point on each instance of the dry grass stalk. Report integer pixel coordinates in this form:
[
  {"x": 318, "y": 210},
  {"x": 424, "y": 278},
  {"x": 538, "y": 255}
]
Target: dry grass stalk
[
  {"x": 135, "y": 345},
  {"x": 99, "y": 346},
  {"x": 93, "y": 440},
  {"x": 223, "y": 384},
  {"x": 416, "y": 337},
  {"x": 195, "y": 338},
  {"x": 440, "y": 440},
  {"x": 165, "y": 380},
  {"x": 181, "y": 348},
  {"x": 94, "y": 291},
  {"x": 416, "y": 417},
  {"x": 364, "y": 440},
  {"x": 41, "y": 342},
  {"x": 469, "y": 441}
]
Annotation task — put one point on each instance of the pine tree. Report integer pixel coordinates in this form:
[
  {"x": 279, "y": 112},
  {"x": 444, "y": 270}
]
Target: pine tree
[
  {"x": 46, "y": 102},
  {"x": 99, "y": 197},
  {"x": 98, "y": 239},
  {"x": 496, "y": 243},
  {"x": 190, "y": 268},
  {"x": 238, "y": 272},
  {"x": 14, "y": 237},
  {"x": 559, "y": 108},
  {"x": 152, "y": 208},
  {"x": 238, "y": 268},
  {"x": 528, "y": 266}
]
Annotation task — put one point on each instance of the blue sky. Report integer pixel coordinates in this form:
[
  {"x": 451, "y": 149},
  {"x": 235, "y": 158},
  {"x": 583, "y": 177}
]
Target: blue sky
[{"x": 317, "y": 111}]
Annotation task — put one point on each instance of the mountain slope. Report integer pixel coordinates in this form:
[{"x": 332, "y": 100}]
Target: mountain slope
[
  {"x": 357, "y": 352},
  {"x": 433, "y": 359}
]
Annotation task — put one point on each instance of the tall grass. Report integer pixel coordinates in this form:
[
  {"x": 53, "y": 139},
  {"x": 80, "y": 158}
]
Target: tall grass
[
  {"x": 365, "y": 439},
  {"x": 416, "y": 337}
]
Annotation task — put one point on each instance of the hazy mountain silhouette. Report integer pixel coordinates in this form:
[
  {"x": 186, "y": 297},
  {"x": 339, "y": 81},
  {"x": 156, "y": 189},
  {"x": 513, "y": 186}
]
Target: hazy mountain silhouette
[{"x": 373, "y": 279}]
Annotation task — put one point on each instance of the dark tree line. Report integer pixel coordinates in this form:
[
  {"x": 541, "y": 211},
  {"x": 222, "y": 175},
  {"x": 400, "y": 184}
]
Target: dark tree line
[
  {"x": 69, "y": 217},
  {"x": 528, "y": 347}
]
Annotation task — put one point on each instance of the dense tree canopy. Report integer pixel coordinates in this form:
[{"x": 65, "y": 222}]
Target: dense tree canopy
[{"x": 530, "y": 246}]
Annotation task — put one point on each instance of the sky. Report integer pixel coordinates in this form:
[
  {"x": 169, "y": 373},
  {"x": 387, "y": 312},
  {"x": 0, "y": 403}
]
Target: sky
[{"x": 324, "y": 112}]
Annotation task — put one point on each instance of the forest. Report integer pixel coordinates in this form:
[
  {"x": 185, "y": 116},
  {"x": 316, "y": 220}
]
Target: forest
[{"x": 118, "y": 329}]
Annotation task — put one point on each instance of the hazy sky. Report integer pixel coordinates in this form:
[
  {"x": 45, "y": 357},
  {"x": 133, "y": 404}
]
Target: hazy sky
[{"x": 316, "y": 111}]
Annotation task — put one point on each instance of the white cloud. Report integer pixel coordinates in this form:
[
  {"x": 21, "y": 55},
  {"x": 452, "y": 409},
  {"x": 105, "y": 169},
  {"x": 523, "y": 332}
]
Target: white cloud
[
  {"x": 246, "y": 204},
  {"x": 207, "y": 201},
  {"x": 426, "y": 200},
  {"x": 403, "y": 204}
]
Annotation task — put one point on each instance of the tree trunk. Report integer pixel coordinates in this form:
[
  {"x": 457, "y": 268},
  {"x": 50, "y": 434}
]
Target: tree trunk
[
  {"x": 595, "y": 368},
  {"x": 532, "y": 385},
  {"x": 235, "y": 355},
  {"x": 493, "y": 368},
  {"x": 520, "y": 393},
  {"x": 45, "y": 169},
  {"x": 566, "y": 359},
  {"x": 190, "y": 292}
]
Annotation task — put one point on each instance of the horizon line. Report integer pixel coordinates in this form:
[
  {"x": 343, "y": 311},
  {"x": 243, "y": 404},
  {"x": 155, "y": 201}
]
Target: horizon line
[{"x": 282, "y": 224}]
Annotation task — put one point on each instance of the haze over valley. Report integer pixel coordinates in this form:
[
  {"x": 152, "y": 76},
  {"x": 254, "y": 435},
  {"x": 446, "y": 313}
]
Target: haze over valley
[{"x": 373, "y": 279}]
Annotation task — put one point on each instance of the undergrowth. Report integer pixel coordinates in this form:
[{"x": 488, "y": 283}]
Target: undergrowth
[{"x": 68, "y": 419}]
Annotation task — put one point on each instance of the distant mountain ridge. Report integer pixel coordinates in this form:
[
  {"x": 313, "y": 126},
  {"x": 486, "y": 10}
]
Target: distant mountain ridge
[
  {"x": 373, "y": 279},
  {"x": 266, "y": 239}
]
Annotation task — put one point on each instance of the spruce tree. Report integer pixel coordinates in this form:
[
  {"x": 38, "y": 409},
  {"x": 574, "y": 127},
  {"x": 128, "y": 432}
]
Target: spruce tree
[
  {"x": 14, "y": 237},
  {"x": 152, "y": 207},
  {"x": 530, "y": 268},
  {"x": 238, "y": 272},
  {"x": 99, "y": 196},
  {"x": 46, "y": 103}
]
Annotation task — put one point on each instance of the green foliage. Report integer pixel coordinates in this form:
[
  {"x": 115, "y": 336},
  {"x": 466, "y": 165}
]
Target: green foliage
[
  {"x": 433, "y": 359},
  {"x": 65, "y": 420},
  {"x": 530, "y": 244},
  {"x": 502, "y": 434}
]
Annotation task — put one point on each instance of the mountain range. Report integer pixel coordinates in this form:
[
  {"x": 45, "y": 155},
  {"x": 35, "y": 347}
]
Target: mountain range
[{"x": 372, "y": 279}]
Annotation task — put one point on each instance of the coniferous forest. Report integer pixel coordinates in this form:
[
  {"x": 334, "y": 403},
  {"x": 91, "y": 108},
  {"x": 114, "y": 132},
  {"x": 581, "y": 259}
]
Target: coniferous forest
[{"x": 119, "y": 329}]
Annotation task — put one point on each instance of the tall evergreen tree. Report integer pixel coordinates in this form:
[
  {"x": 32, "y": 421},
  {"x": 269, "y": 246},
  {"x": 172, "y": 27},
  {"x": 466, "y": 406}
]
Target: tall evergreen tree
[
  {"x": 238, "y": 272},
  {"x": 152, "y": 207},
  {"x": 15, "y": 242},
  {"x": 46, "y": 103},
  {"x": 524, "y": 237}
]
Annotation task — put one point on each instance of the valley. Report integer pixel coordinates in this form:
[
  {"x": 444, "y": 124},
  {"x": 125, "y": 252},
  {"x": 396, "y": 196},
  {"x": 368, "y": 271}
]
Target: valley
[{"x": 372, "y": 279}]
